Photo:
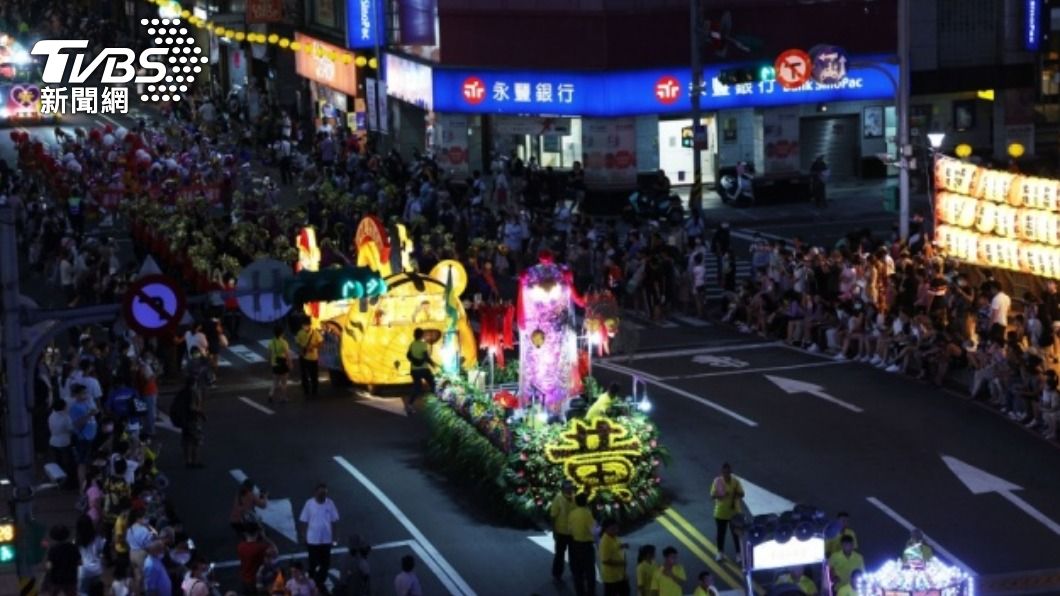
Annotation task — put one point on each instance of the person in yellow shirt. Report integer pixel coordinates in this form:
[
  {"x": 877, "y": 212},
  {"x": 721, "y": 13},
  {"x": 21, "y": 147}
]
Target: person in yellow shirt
[
  {"x": 280, "y": 361},
  {"x": 850, "y": 589},
  {"x": 832, "y": 545},
  {"x": 559, "y": 511},
  {"x": 645, "y": 569},
  {"x": 582, "y": 555},
  {"x": 309, "y": 341},
  {"x": 845, "y": 562},
  {"x": 613, "y": 561},
  {"x": 727, "y": 493},
  {"x": 705, "y": 587},
  {"x": 603, "y": 403},
  {"x": 797, "y": 577},
  {"x": 670, "y": 577}
]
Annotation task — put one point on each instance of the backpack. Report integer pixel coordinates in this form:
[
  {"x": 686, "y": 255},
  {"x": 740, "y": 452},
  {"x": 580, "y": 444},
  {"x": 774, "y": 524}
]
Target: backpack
[{"x": 180, "y": 408}]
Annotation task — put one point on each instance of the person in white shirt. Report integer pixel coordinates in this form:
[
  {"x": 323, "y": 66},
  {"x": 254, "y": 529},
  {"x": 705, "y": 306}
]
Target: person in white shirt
[
  {"x": 195, "y": 338},
  {"x": 1000, "y": 304},
  {"x": 406, "y": 583},
  {"x": 60, "y": 429},
  {"x": 318, "y": 518}
]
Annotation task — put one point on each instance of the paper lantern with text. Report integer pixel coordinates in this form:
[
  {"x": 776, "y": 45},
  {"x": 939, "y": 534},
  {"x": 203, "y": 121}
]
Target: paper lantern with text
[
  {"x": 955, "y": 175},
  {"x": 993, "y": 185},
  {"x": 1036, "y": 193},
  {"x": 986, "y": 218},
  {"x": 1036, "y": 260},
  {"x": 1005, "y": 221},
  {"x": 1032, "y": 225},
  {"x": 968, "y": 210}
]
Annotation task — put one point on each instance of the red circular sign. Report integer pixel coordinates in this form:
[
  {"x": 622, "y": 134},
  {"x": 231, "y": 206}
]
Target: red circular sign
[
  {"x": 667, "y": 90},
  {"x": 473, "y": 90},
  {"x": 457, "y": 155},
  {"x": 793, "y": 68}
]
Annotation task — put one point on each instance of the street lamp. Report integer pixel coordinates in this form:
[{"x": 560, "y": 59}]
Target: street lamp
[{"x": 936, "y": 138}]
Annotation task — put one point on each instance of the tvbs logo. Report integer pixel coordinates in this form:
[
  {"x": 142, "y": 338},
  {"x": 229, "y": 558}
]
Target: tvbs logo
[{"x": 119, "y": 64}]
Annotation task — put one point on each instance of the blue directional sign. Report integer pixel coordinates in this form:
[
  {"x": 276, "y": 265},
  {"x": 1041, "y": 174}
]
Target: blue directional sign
[
  {"x": 260, "y": 289},
  {"x": 154, "y": 305},
  {"x": 656, "y": 91}
]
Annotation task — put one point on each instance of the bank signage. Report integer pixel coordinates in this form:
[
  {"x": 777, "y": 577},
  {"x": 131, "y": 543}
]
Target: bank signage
[
  {"x": 655, "y": 91},
  {"x": 1032, "y": 19},
  {"x": 364, "y": 24}
]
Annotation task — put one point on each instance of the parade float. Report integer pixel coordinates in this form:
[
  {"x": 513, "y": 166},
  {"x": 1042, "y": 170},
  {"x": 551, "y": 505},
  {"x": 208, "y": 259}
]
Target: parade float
[
  {"x": 516, "y": 443},
  {"x": 916, "y": 578}
]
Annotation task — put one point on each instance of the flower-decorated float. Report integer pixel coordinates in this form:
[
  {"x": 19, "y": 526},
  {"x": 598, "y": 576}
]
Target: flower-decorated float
[
  {"x": 928, "y": 577},
  {"x": 516, "y": 443}
]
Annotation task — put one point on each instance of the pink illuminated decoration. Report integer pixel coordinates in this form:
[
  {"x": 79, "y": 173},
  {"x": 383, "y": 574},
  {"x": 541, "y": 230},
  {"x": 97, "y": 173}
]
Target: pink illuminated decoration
[{"x": 548, "y": 340}]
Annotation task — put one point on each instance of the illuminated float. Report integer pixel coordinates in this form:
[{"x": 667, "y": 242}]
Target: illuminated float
[
  {"x": 377, "y": 330},
  {"x": 916, "y": 578},
  {"x": 516, "y": 444}
]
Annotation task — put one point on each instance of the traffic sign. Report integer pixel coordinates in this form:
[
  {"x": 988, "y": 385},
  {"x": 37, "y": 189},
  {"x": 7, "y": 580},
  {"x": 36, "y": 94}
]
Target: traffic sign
[
  {"x": 154, "y": 305},
  {"x": 793, "y": 68},
  {"x": 260, "y": 288},
  {"x": 829, "y": 64}
]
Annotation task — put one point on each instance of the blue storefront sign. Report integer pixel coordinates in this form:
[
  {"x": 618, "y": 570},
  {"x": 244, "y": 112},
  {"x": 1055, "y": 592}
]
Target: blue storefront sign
[
  {"x": 1032, "y": 24},
  {"x": 657, "y": 91},
  {"x": 364, "y": 24}
]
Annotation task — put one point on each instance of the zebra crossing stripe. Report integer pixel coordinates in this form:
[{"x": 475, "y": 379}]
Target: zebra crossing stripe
[
  {"x": 246, "y": 353},
  {"x": 690, "y": 321},
  {"x": 223, "y": 362}
]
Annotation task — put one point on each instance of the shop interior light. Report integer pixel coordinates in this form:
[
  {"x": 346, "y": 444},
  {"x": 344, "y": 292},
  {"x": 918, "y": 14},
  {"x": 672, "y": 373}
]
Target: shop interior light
[
  {"x": 936, "y": 138},
  {"x": 987, "y": 94}
]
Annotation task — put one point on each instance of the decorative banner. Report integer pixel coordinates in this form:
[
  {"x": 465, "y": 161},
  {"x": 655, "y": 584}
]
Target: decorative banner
[
  {"x": 316, "y": 67},
  {"x": 597, "y": 454},
  {"x": 451, "y": 151},
  {"x": 609, "y": 151},
  {"x": 409, "y": 81},
  {"x": 264, "y": 11},
  {"x": 780, "y": 136}
]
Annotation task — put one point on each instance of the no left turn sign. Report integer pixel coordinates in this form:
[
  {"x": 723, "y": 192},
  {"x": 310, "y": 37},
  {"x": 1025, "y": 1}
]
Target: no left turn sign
[{"x": 793, "y": 68}]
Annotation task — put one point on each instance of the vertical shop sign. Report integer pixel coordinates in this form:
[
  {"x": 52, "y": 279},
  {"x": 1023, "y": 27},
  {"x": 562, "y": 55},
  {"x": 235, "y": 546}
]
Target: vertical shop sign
[
  {"x": 451, "y": 146},
  {"x": 780, "y": 139},
  {"x": 609, "y": 151},
  {"x": 416, "y": 19}
]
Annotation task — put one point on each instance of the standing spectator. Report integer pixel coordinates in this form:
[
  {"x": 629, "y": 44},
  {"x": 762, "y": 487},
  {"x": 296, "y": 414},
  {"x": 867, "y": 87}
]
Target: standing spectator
[
  {"x": 559, "y": 511},
  {"x": 727, "y": 492},
  {"x": 319, "y": 516},
  {"x": 147, "y": 368},
  {"x": 843, "y": 563},
  {"x": 251, "y": 553},
  {"x": 646, "y": 568},
  {"x": 1000, "y": 303},
  {"x": 356, "y": 575},
  {"x": 280, "y": 361},
  {"x": 613, "y": 561},
  {"x": 309, "y": 341},
  {"x": 90, "y": 545},
  {"x": 843, "y": 520},
  {"x": 406, "y": 583},
  {"x": 670, "y": 576},
  {"x": 139, "y": 537},
  {"x": 156, "y": 579},
  {"x": 300, "y": 584},
  {"x": 582, "y": 557},
  {"x": 62, "y": 562},
  {"x": 83, "y": 417},
  {"x": 818, "y": 180},
  {"x": 60, "y": 439},
  {"x": 196, "y": 582},
  {"x": 705, "y": 587},
  {"x": 267, "y": 576},
  {"x": 419, "y": 357}
]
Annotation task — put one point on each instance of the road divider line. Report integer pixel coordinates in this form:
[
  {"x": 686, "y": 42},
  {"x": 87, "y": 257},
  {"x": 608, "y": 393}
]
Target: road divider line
[
  {"x": 335, "y": 551},
  {"x": 696, "y": 550},
  {"x": 454, "y": 583},
  {"x": 894, "y": 515},
  {"x": 690, "y": 321},
  {"x": 746, "y": 371},
  {"x": 612, "y": 366},
  {"x": 222, "y": 362},
  {"x": 256, "y": 405},
  {"x": 246, "y": 353},
  {"x": 736, "y": 347},
  {"x": 698, "y": 536}
]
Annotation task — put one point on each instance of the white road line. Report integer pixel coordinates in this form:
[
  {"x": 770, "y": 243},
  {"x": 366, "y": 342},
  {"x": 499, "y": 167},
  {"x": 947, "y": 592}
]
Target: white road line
[
  {"x": 222, "y": 362},
  {"x": 891, "y": 513},
  {"x": 746, "y": 371},
  {"x": 690, "y": 321},
  {"x": 449, "y": 577},
  {"x": 618, "y": 368},
  {"x": 264, "y": 343},
  {"x": 665, "y": 324},
  {"x": 256, "y": 405},
  {"x": 692, "y": 396},
  {"x": 711, "y": 350},
  {"x": 162, "y": 421},
  {"x": 246, "y": 353}
]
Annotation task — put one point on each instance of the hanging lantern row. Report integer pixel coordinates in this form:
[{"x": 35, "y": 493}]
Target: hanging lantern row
[
  {"x": 997, "y": 186},
  {"x": 1014, "y": 255}
]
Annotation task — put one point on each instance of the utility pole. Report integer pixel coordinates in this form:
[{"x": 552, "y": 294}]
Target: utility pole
[
  {"x": 905, "y": 150},
  {"x": 18, "y": 418},
  {"x": 695, "y": 197}
]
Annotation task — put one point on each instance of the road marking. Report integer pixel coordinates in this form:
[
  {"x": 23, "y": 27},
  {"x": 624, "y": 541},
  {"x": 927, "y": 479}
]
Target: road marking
[
  {"x": 448, "y": 576},
  {"x": 277, "y": 514},
  {"x": 891, "y": 513},
  {"x": 264, "y": 343},
  {"x": 222, "y": 362},
  {"x": 700, "y": 546},
  {"x": 655, "y": 381},
  {"x": 751, "y": 370},
  {"x": 612, "y": 366},
  {"x": 162, "y": 421},
  {"x": 706, "y": 350},
  {"x": 246, "y": 353},
  {"x": 303, "y": 555},
  {"x": 759, "y": 501},
  {"x": 792, "y": 386},
  {"x": 720, "y": 361},
  {"x": 982, "y": 482},
  {"x": 256, "y": 405},
  {"x": 394, "y": 405},
  {"x": 691, "y": 321},
  {"x": 666, "y": 324}
]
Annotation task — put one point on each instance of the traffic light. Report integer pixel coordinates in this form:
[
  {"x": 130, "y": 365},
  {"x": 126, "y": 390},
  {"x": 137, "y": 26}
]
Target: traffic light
[
  {"x": 333, "y": 284},
  {"x": 7, "y": 541},
  {"x": 747, "y": 74}
]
